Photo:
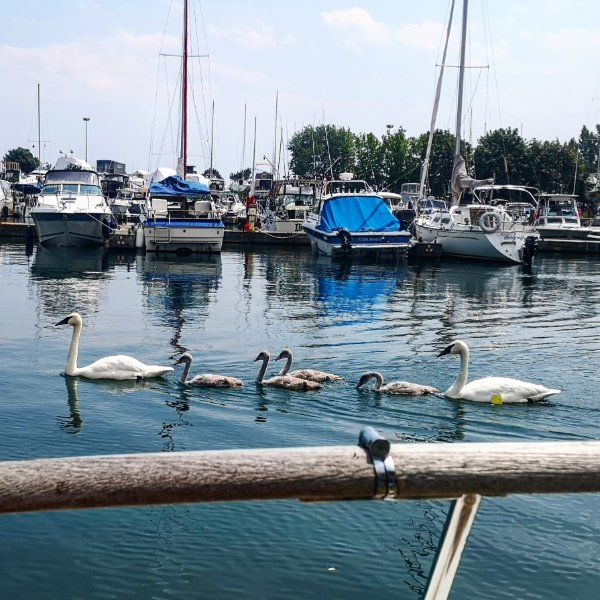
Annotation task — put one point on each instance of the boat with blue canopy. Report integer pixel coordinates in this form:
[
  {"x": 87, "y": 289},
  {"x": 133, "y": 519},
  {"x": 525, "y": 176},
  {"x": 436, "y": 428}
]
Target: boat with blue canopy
[
  {"x": 182, "y": 217},
  {"x": 350, "y": 219}
]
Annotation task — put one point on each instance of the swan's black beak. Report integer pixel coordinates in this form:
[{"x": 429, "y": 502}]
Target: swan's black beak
[
  {"x": 446, "y": 351},
  {"x": 65, "y": 321}
]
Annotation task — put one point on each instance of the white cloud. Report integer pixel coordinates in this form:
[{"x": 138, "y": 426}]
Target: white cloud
[
  {"x": 257, "y": 35},
  {"x": 359, "y": 24}
]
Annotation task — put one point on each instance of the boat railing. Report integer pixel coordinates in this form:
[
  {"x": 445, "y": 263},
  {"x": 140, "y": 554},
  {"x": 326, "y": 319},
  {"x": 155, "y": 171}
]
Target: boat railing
[{"x": 372, "y": 470}]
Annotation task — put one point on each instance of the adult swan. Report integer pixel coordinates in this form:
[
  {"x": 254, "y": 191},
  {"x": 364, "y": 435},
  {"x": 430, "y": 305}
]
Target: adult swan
[
  {"x": 497, "y": 390},
  {"x": 109, "y": 367}
]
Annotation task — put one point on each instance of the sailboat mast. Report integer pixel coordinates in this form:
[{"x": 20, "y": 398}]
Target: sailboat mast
[
  {"x": 436, "y": 103},
  {"x": 212, "y": 137},
  {"x": 184, "y": 90},
  {"x": 461, "y": 73},
  {"x": 39, "y": 130},
  {"x": 275, "y": 134}
]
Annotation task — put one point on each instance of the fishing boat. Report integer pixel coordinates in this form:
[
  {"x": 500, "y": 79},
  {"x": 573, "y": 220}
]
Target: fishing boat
[
  {"x": 182, "y": 215},
  {"x": 288, "y": 206},
  {"x": 350, "y": 219},
  {"x": 558, "y": 218},
  {"x": 470, "y": 228},
  {"x": 71, "y": 209}
]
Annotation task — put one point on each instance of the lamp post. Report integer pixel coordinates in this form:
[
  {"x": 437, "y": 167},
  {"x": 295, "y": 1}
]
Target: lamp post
[{"x": 86, "y": 119}]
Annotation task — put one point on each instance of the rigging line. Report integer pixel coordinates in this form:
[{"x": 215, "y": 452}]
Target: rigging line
[
  {"x": 153, "y": 128},
  {"x": 202, "y": 86}
]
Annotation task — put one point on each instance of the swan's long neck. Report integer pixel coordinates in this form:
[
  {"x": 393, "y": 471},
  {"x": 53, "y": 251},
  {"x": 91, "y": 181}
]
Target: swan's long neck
[
  {"x": 288, "y": 364},
  {"x": 186, "y": 370},
  {"x": 378, "y": 380},
  {"x": 461, "y": 380},
  {"x": 71, "y": 367},
  {"x": 263, "y": 368}
]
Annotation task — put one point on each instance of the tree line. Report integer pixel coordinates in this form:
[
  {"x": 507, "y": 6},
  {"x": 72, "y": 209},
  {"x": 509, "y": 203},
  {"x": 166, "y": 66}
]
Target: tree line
[{"x": 386, "y": 163}]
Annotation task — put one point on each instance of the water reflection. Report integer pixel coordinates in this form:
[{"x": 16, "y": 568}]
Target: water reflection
[
  {"x": 72, "y": 423},
  {"x": 68, "y": 277},
  {"x": 178, "y": 289},
  {"x": 353, "y": 288}
]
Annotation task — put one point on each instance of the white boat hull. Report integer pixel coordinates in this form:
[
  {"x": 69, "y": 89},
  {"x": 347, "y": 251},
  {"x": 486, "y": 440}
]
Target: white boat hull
[
  {"x": 360, "y": 243},
  {"x": 68, "y": 228},
  {"x": 184, "y": 236},
  {"x": 504, "y": 245}
]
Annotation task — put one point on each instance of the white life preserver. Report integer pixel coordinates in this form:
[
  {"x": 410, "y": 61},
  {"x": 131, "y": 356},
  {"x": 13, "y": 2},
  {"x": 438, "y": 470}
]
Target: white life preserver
[{"x": 489, "y": 222}]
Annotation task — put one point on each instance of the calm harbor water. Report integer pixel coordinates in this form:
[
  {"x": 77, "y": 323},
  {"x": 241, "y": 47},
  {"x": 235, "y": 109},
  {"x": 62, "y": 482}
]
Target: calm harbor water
[{"x": 344, "y": 318}]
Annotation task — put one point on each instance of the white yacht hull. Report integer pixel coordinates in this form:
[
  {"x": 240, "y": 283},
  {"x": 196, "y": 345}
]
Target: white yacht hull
[
  {"x": 360, "y": 244},
  {"x": 184, "y": 236},
  {"x": 504, "y": 245},
  {"x": 69, "y": 228}
]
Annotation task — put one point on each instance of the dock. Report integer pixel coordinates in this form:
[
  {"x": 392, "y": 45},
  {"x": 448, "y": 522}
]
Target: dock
[{"x": 589, "y": 246}]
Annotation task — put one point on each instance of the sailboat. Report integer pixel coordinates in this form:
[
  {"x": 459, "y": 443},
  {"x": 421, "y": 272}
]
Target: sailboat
[
  {"x": 487, "y": 229},
  {"x": 182, "y": 216}
]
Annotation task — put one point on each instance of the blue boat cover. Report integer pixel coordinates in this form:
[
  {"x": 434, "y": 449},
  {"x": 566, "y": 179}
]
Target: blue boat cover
[
  {"x": 176, "y": 186},
  {"x": 357, "y": 213},
  {"x": 27, "y": 188}
]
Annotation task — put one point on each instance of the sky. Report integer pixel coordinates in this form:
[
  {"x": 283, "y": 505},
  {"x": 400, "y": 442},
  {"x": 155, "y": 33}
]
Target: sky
[{"x": 277, "y": 67}]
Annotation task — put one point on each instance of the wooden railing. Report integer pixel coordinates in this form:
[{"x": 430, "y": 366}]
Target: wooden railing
[{"x": 374, "y": 469}]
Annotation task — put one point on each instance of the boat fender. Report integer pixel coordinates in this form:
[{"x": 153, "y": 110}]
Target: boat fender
[
  {"x": 106, "y": 228},
  {"x": 139, "y": 237},
  {"x": 489, "y": 222},
  {"x": 345, "y": 238}
]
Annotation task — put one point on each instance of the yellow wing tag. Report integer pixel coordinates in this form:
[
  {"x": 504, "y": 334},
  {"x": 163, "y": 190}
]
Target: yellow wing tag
[{"x": 497, "y": 399}]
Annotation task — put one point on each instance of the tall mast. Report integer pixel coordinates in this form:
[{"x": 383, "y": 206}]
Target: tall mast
[
  {"x": 425, "y": 170},
  {"x": 39, "y": 131},
  {"x": 254, "y": 160},
  {"x": 275, "y": 135},
  {"x": 212, "y": 137},
  {"x": 461, "y": 76},
  {"x": 184, "y": 91},
  {"x": 244, "y": 144}
]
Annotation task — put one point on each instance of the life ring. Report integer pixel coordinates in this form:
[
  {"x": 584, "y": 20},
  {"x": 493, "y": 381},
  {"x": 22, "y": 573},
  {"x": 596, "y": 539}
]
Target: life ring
[{"x": 489, "y": 222}]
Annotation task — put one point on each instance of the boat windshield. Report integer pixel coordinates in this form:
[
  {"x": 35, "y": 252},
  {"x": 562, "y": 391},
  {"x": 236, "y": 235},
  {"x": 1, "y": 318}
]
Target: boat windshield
[{"x": 74, "y": 176}]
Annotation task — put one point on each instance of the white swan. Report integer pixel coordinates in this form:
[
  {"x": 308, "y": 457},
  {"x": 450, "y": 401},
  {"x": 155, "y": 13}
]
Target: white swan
[
  {"x": 109, "y": 367},
  {"x": 309, "y": 374},
  {"x": 497, "y": 390},
  {"x": 286, "y": 382},
  {"x": 405, "y": 388},
  {"x": 206, "y": 379}
]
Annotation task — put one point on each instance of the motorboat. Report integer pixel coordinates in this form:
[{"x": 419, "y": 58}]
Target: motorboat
[
  {"x": 558, "y": 217},
  {"x": 71, "y": 209},
  {"x": 350, "y": 219},
  {"x": 288, "y": 205}
]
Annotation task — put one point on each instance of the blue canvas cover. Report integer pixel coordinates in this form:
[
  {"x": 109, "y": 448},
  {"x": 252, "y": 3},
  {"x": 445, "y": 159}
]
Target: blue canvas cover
[
  {"x": 357, "y": 213},
  {"x": 176, "y": 186}
]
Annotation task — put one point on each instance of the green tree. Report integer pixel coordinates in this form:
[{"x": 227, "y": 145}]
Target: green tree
[
  {"x": 554, "y": 165},
  {"x": 27, "y": 162},
  {"x": 323, "y": 151},
  {"x": 212, "y": 174},
  {"x": 398, "y": 165},
  {"x": 441, "y": 159},
  {"x": 503, "y": 154},
  {"x": 242, "y": 175},
  {"x": 368, "y": 161}
]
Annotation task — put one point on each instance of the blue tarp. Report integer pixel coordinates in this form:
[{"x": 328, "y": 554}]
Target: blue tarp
[
  {"x": 176, "y": 186},
  {"x": 357, "y": 213}
]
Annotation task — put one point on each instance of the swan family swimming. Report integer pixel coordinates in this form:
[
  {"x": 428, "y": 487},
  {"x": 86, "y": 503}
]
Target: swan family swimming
[{"x": 495, "y": 390}]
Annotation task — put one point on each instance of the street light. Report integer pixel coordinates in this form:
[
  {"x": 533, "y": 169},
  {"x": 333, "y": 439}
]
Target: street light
[{"x": 86, "y": 119}]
